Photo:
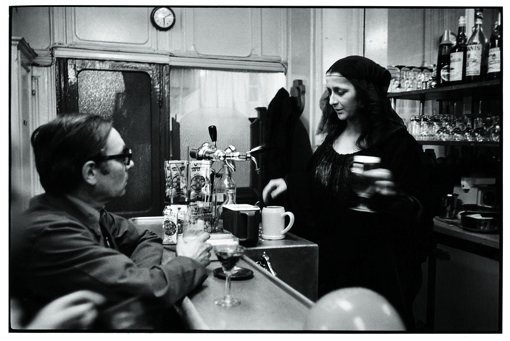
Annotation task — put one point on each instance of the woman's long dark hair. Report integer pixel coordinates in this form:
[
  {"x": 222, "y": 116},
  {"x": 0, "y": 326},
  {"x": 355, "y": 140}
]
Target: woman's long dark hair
[{"x": 377, "y": 119}]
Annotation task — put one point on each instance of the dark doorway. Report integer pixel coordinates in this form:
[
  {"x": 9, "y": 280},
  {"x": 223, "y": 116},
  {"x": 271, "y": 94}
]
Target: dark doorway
[{"x": 135, "y": 95}]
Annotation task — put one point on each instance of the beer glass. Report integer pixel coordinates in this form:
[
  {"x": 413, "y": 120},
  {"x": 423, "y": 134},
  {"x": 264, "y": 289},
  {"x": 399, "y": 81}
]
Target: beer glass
[{"x": 361, "y": 184}]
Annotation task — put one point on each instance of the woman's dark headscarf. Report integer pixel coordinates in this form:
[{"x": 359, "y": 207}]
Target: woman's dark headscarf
[{"x": 371, "y": 81}]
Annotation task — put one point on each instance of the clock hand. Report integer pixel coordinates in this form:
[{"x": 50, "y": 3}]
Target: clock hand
[{"x": 166, "y": 16}]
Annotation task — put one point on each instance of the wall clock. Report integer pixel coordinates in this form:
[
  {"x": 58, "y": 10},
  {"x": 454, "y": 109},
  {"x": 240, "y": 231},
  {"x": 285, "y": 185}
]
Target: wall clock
[{"x": 163, "y": 18}]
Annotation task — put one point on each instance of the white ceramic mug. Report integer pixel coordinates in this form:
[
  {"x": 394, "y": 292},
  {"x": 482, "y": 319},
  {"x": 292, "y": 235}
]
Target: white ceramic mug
[{"x": 273, "y": 222}]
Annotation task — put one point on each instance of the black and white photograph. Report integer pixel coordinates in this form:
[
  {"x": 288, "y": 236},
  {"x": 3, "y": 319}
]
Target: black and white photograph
[{"x": 289, "y": 169}]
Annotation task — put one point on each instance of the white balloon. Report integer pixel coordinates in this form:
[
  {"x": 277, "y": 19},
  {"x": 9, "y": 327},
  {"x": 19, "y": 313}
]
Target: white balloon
[{"x": 353, "y": 309}]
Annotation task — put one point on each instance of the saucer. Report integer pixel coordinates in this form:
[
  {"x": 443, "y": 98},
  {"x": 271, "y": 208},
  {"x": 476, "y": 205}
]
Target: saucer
[{"x": 273, "y": 237}]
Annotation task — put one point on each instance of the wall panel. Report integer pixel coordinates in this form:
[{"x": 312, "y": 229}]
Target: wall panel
[
  {"x": 223, "y": 31},
  {"x": 273, "y": 32},
  {"x": 112, "y": 25},
  {"x": 33, "y": 24}
]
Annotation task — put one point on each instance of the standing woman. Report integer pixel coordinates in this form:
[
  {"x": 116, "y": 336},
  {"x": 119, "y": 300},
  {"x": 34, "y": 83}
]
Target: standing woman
[{"x": 381, "y": 251}]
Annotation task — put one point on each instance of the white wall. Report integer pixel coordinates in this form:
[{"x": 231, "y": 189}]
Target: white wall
[{"x": 302, "y": 41}]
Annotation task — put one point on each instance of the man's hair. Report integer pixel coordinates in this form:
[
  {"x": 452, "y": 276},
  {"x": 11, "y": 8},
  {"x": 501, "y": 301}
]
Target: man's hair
[{"x": 62, "y": 146}]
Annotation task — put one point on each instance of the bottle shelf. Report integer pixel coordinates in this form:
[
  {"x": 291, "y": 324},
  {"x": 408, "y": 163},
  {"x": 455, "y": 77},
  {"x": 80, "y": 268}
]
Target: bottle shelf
[
  {"x": 458, "y": 143},
  {"x": 448, "y": 91}
]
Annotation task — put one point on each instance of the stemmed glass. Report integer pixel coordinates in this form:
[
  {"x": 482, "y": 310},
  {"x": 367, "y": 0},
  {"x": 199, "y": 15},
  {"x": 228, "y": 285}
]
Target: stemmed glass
[
  {"x": 228, "y": 255},
  {"x": 444, "y": 131},
  {"x": 360, "y": 183},
  {"x": 495, "y": 129}
]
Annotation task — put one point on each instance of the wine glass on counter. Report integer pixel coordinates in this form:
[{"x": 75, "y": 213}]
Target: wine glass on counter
[
  {"x": 228, "y": 255},
  {"x": 362, "y": 184}
]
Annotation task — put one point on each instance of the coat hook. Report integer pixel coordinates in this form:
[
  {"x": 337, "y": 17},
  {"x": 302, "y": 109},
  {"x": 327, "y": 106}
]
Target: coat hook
[{"x": 298, "y": 91}]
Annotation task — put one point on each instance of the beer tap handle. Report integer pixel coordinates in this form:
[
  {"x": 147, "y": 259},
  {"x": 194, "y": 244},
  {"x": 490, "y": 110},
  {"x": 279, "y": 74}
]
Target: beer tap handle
[
  {"x": 257, "y": 169},
  {"x": 257, "y": 149},
  {"x": 231, "y": 164},
  {"x": 249, "y": 156},
  {"x": 213, "y": 134}
]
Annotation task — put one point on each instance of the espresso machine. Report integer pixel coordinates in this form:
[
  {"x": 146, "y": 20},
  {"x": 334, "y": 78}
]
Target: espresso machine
[
  {"x": 478, "y": 209},
  {"x": 478, "y": 191}
]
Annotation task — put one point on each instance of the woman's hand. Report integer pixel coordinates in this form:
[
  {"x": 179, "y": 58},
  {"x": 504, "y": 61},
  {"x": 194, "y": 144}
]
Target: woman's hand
[
  {"x": 73, "y": 311},
  {"x": 402, "y": 208},
  {"x": 382, "y": 180},
  {"x": 273, "y": 189}
]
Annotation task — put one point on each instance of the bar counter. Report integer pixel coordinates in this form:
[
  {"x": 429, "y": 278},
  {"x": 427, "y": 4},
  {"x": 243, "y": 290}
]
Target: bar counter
[
  {"x": 451, "y": 228},
  {"x": 267, "y": 303}
]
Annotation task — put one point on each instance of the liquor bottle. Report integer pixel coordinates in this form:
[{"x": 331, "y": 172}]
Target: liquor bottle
[
  {"x": 224, "y": 192},
  {"x": 495, "y": 51},
  {"x": 431, "y": 84},
  {"x": 443, "y": 59},
  {"x": 476, "y": 61},
  {"x": 458, "y": 55}
]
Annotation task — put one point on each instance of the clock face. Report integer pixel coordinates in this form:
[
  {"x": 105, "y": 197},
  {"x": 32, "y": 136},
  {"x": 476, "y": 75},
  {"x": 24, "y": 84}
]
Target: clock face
[{"x": 163, "y": 18}]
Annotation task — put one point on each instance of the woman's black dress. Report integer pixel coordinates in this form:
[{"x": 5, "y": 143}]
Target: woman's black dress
[{"x": 381, "y": 251}]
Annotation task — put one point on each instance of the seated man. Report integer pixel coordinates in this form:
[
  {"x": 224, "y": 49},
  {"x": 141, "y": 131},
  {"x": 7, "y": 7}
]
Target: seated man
[{"x": 71, "y": 243}]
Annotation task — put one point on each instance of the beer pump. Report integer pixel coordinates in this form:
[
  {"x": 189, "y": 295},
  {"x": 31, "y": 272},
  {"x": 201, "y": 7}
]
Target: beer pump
[
  {"x": 209, "y": 151},
  {"x": 223, "y": 185}
]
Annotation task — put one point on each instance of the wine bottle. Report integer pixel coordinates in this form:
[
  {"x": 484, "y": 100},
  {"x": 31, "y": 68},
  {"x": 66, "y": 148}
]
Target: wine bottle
[
  {"x": 476, "y": 54},
  {"x": 495, "y": 51},
  {"x": 443, "y": 59},
  {"x": 458, "y": 55}
]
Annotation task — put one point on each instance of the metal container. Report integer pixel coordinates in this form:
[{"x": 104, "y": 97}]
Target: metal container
[
  {"x": 449, "y": 206},
  {"x": 479, "y": 221}
]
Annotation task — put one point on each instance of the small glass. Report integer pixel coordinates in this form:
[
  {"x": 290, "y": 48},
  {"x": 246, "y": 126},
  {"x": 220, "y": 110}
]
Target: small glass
[
  {"x": 495, "y": 129},
  {"x": 228, "y": 255},
  {"x": 469, "y": 133},
  {"x": 405, "y": 80},
  {"x": 480, "y": 132},
  {"x": 395, "y": 79},
  {"x": 425, "y": 126},
  {"x": 444, "y": 132},
  {"x": 361, "y": 184},
  {"x": 194, "y": 224},
  {"x": 399, "y": 86},
  {"x": 458, "y": 130},
  {"x": 414, "y": 126}
]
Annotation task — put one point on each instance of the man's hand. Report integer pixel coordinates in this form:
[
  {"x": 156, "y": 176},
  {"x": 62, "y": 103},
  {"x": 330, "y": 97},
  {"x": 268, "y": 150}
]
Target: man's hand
[
  {"x": 73, "y": 311},
  {"x": 195, "y": 248}
]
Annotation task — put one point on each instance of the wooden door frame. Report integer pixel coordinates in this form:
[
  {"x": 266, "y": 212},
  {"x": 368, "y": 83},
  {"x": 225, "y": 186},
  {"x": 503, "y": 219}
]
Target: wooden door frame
[{"x": 67, "y": 102}]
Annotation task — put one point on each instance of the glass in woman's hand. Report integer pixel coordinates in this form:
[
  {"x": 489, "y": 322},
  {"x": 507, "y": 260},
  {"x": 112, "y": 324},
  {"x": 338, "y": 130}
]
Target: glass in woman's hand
[{"x": 362, "y": 184}]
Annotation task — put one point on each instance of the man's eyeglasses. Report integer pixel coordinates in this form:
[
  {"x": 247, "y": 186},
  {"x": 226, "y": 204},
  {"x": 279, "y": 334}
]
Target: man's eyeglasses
[{"x": 125, "y": 156}]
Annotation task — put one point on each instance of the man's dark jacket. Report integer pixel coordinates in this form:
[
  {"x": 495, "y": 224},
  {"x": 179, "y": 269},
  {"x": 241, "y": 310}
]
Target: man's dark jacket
[{"x": 63, "y": 250}]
